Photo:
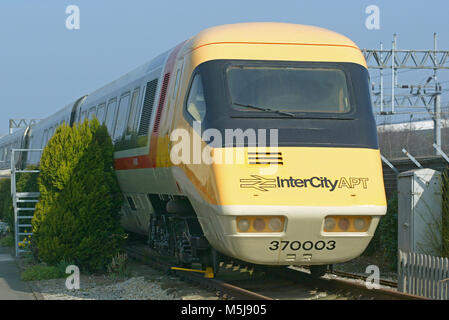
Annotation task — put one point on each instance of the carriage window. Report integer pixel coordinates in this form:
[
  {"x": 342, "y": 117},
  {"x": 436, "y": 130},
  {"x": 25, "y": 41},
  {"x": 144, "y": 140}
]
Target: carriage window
[
  {"x": 50, "y": 133},
  {"x": 100, "y": 112},
  {"x": 131, "y": 203},
  {"x": 178, "y": 76},
  {"x": 196, "y": 105},
  {"x": 121, "y": 116},
  {"x": 110, "y": 113},
  {"x": 91, "y": 113},
  {"x": 44, "y": 139},
  {"x": 83, "y": 115},
  {"x": 131, "y": 127}
]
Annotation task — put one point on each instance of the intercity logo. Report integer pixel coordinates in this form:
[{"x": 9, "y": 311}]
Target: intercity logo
[
  {"x": 263, "y": 184},
  {"x": 258, "y": 182}
]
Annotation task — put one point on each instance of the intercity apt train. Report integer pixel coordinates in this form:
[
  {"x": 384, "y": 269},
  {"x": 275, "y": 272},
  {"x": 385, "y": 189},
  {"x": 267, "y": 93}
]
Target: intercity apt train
[{"x": 308, "y": 191}]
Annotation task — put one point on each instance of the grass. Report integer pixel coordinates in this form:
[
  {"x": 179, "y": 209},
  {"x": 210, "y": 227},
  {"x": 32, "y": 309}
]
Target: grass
[
  {"x": 118, "y": 268},
  {"x": 7, "y": 241},
  {"x": 34, "y": 271},
  {"x": 42, "y": 272}
]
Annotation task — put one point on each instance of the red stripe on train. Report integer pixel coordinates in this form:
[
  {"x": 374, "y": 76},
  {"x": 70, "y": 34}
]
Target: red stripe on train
[
  {"x": 137, "y": 162},
  {"x": 149, "y": 161}
]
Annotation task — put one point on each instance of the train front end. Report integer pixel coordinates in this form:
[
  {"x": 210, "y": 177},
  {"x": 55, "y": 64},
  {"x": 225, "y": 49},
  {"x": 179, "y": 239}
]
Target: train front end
[
  {"x": 319, "y": 206},
  {"x": 294, "y": 174}
]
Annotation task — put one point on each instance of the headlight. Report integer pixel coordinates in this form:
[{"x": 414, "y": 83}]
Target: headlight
[
  {"x": 346, "y": 223},
  {"x": 275, "y": 224},
  {"x": 260, "y": 223},
  {"x": 329, "y": 224},
  {"x": 359, "y": 224},
  {"x": 343, "y": 224},
  {"x": 243, "y": 225}
]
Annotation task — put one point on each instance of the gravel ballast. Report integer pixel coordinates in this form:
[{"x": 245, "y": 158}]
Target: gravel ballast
[{"x": 144, "y": 284}]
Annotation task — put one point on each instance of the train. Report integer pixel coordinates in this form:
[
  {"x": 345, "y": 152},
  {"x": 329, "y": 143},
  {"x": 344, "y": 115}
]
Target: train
[{"x": 311, "y": 197}]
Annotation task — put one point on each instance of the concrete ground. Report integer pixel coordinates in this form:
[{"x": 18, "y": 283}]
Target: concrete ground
[{"x": 11, "y": 286}]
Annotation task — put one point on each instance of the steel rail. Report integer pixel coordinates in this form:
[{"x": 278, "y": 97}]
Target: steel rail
[
  {"x": 226, "y": 290},
  {"x": 382, "y": 282},
  {"x": 381, "y": 293}
]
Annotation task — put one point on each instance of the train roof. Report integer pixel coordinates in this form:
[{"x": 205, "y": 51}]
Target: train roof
[
  {"x": 54, "y": 117},
  {"x": 251, "y": 32},
  {"x": 129, "y": 77},
  {"x": 269, "y": 33},
  {"x": 17, "y": 134}
]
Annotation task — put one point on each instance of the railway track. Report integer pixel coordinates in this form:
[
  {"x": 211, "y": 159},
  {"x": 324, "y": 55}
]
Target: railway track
[
  {"x": 272, "y": 283},
  {"x": 382, "y": 282},
  {"x": 223, "y": 289},
  {"x": 291, "y": 284}
]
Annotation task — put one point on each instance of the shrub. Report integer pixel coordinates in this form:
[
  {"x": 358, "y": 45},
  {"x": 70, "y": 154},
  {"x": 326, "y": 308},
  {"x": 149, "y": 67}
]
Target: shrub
[
  {"x": 6, "y": 208},
  {"x": 7, "y": 241},
  {"x": 388, "y": 232},
  {"x": 375, "y": 244},
  {"x": 445, "y": 214},
  {"x": 118, "y": 267},
  {"x": 28, "y": 181},
  {"x": 78, "y": 216},
  {"x": 62, "y": 265},
  {"x": 385, "y": 239},
  {"x": 4, "y": 229}
]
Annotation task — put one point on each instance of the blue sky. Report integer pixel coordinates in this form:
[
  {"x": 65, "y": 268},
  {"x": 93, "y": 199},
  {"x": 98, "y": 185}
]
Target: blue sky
[{"x": 44, "y": 66}]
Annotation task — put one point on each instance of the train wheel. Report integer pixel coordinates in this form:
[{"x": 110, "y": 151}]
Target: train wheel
[
  {"x": 151, "y": 233},
  {"x": 211, "y": 259},
  {"x": 183, "y": 253},
  {"x": 215, "y": 256},
  {"x": 318, "y": 271}
]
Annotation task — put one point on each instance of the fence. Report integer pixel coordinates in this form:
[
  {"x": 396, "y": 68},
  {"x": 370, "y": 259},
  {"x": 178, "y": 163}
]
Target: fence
[
  {"x": 423, "y": 275},
  {"x": 390, "y": 177}
]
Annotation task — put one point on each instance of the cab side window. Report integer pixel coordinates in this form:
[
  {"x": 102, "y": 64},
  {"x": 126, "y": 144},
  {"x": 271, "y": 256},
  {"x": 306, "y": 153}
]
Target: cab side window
[
  {"x": 110, "y": 113},
  {"x": 121, "y": 116},
  {"x": 91, "y": 113},
  {"x": 100, "y": 112},
  {"x": 44, "y": 139},
  {"x": 196, "y": 105},
  {"x": 83, "y": 115},
  {"x": 131, "y": 126}
]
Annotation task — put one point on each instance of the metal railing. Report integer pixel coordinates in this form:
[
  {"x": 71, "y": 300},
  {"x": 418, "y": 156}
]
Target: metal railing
[
  {"x": 423, "y": 275},
  {"x": 21, "y": 213}
]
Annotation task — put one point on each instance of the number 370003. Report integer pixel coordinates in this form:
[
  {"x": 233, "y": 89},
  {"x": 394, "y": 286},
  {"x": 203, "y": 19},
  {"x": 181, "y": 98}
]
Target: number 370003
[{"x": 298, "y": 245}]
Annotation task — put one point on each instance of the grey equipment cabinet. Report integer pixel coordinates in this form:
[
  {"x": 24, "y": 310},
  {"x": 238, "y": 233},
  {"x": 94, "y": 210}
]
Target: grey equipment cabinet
[{"x": 419, "y": 211}]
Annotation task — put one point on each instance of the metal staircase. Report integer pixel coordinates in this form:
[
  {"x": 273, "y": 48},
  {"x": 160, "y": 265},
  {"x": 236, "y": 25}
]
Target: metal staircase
[{"x": 23, "y": 211}]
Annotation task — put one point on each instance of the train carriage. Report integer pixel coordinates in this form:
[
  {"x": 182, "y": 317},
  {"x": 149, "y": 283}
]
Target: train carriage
[{"x": 314, "y": 197}]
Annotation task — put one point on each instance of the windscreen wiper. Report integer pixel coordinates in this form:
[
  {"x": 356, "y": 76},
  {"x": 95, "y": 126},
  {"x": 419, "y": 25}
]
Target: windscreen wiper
[
  {"x": 264, "y": 109},
  {"x": 297, "y": 116}
]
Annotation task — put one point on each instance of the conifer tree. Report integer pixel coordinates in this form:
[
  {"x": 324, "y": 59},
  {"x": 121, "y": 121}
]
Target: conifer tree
[{"x": 78, "y": 216}]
